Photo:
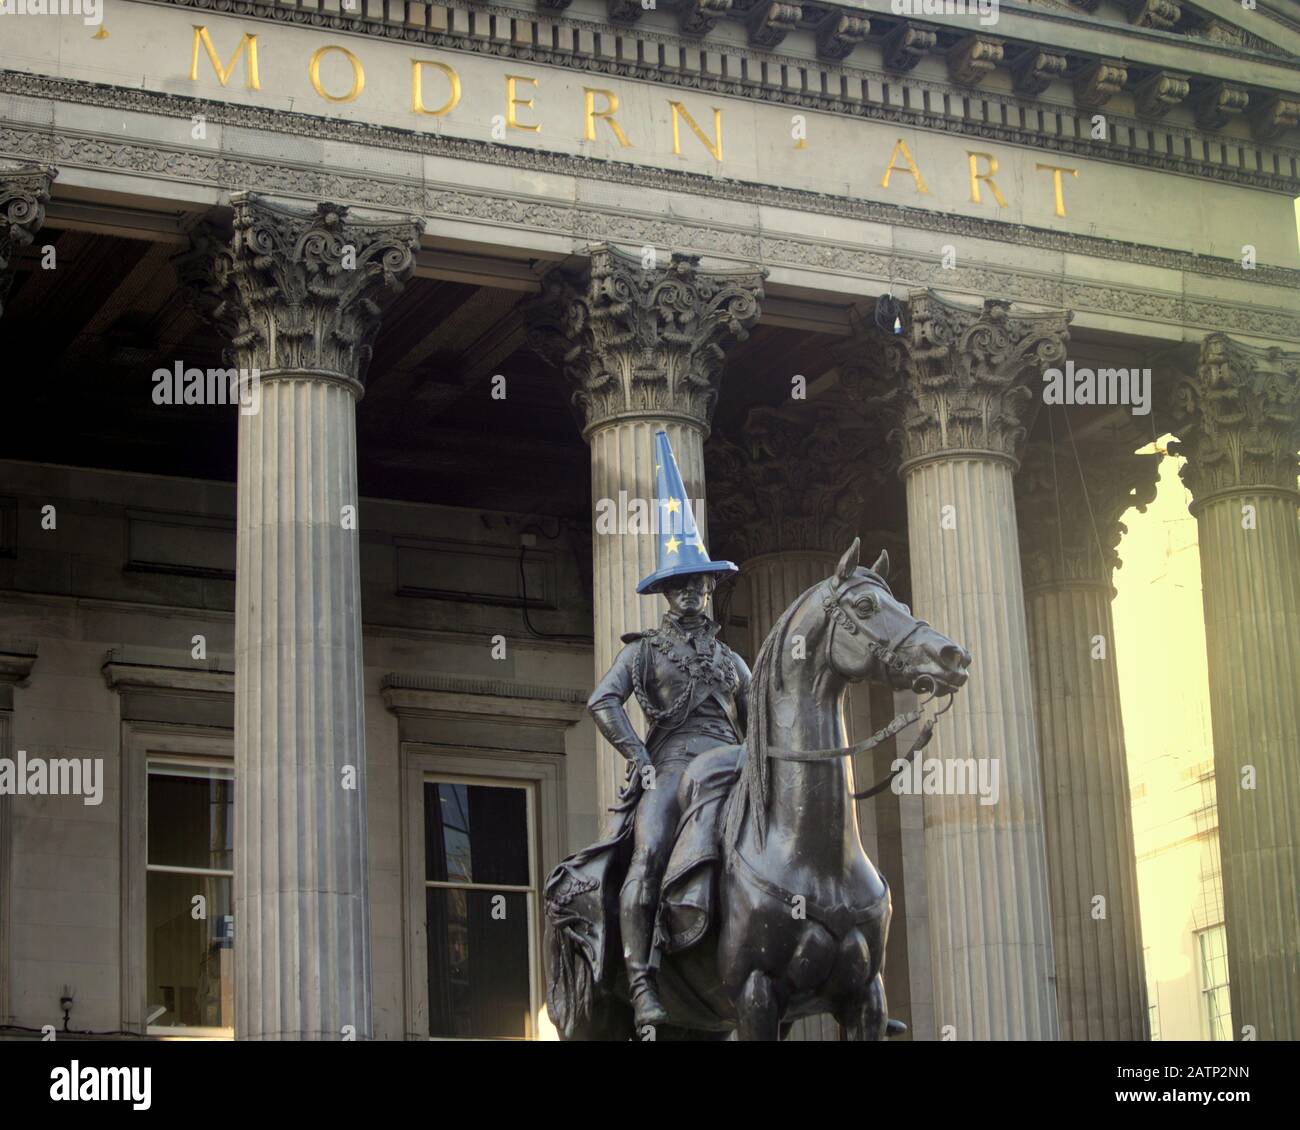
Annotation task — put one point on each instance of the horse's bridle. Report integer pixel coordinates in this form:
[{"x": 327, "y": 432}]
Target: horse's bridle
[{"x": 888, "y": 654}]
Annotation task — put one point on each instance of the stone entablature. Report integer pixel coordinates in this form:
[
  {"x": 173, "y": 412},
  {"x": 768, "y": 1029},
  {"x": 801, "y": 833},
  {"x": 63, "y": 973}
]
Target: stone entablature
[{"x": 866, "y": 84}]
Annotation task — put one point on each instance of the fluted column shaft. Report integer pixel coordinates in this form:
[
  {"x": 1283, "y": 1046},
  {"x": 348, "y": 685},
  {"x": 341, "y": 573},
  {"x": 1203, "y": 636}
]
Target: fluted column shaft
[
  {"x": 1240, "y": 433},
  {"x": 1250, "y": 582},
  {"x": 1100, "y": 989},
  {"x": 986, "y": 869},
  {"x": 299, "y": 295},
  {"x": 1070, "y": 528},
  {"x": 954, "y": 385},
  {"x": 301, "y": 879}
]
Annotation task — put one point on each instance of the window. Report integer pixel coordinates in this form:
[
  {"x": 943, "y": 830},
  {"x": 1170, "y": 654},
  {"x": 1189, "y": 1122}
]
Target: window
[
  {"x": 1217, "y": 1011},
  {"x": 480, "y": 830},
  {"x": 481, "y": 907},
  {"x": 1153, "y": 996},
  {"x": 189, "y": 916}
]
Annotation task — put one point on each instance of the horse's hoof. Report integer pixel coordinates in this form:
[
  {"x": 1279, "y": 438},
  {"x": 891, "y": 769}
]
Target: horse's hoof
[{"x": 895, "y": 1028}]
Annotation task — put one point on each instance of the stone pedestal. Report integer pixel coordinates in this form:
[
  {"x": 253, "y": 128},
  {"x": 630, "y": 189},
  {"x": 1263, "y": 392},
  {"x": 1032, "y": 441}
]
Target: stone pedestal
[
  {"x": 300, "y": 294},
  {"x": 24, "y": 192},
  {"x": 642, "y": 349},
  {"x": 954, "y": 385},
  {"x": 1068, "y": 532},
  {"x": 1240, "y": 430}
]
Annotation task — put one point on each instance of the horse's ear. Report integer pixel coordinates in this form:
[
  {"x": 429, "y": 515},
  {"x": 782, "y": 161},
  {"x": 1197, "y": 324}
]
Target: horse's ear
[
  {"x": 849, "y": 562},
  {"x": 881, "y": 567}
]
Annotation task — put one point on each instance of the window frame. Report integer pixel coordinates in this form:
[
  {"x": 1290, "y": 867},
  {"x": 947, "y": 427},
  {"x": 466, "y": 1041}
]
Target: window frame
[
  {"x": 542, "y": 776},
  {"x": 1208, "y": 990},
  {"x": 141, "y": 743}
]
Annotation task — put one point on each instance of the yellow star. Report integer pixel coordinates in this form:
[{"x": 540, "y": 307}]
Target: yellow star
[
  {"x": 673, "y": 505},
  {"x": 671, "y": 545}
]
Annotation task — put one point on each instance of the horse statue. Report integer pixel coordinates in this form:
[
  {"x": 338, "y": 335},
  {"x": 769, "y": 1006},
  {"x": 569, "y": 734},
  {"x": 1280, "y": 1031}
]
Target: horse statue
[{"x": 770, "y": 909}]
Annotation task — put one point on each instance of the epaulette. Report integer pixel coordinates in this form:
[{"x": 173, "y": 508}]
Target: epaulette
[{"x": 632, "y": 637}]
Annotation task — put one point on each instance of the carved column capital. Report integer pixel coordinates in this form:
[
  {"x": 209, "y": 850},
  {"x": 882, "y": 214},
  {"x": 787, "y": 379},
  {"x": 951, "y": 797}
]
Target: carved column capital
[
  {"x": 954, "y": 381},
  {"x": 643, "y": 341},
  {"x": 793, "y": 478},
  {"x": 1069, "y": 508},
  {"x": 296, "y": 290},
  {"x": 1239, "y": 419},
  {"x": 24, "y": 192}
]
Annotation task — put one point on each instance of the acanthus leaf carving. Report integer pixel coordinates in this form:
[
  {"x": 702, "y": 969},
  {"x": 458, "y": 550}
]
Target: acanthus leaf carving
[
  {"x": 299, "y": 290},
  {"x": 24, "y": 192},
  {"x": 635, "y": 339}
]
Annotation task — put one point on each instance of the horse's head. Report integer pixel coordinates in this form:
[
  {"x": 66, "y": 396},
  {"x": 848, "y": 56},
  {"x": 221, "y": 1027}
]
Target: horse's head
[{"x": 874, "y": 636}]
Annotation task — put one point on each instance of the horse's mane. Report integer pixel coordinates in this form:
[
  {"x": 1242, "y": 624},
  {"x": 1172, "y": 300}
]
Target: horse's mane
[{"x": 752, "y": 789}]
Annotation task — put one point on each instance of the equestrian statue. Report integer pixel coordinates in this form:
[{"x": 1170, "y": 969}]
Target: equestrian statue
[{"x": 732, "y": 892}]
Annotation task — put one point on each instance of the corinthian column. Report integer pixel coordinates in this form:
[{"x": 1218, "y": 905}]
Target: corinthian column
[
  {"x": 300, "y": 295},
  {"x": 1069, "y": 529},
  {"x": 1240, "y": 430},
  {"x": 642, "y": 349},
  {"x": 24, "y": 192},
  {"x": 953, "y": 386}
]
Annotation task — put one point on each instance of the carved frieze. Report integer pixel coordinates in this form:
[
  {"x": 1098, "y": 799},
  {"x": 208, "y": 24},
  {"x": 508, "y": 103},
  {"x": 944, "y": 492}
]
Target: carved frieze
[
  {"x": 839, "y": 33},
  {"x": 1035, "y": 70},
  {"x": 633, "y": 338},
  {"x": 956, "y": 378},
  {"x": 1238, "y": 418},
  {"x": 1160, "y": 92},
  {"x": 24, "y": 192},
  {"x": 973, "y": 58},
  {"x": 1098, "y": 82},
  {"x": 906, "y": 45},
  {"x": 794, "y": 478},
  {"x": 299, "y": 290},
  {"x": 770, "y": 21},
  {"x": 1069, "y": 502},
  {"x": 1220, "y": 103}
]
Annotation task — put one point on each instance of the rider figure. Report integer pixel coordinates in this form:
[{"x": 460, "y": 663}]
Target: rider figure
[{"x": 693, "y": 690}]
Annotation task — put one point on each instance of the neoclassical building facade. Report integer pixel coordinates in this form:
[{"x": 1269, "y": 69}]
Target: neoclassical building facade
[{"x": 325, "y": 635}]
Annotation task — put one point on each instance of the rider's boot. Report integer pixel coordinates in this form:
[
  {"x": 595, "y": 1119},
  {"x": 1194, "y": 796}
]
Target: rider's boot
[{"x": 637, "y": 906}]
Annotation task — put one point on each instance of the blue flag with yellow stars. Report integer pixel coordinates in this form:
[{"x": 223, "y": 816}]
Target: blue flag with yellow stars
[{"x": 679, "y": 549}]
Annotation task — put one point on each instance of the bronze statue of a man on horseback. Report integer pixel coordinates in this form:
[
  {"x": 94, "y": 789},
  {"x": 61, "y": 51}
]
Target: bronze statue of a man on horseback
[{"x": 732, "y": 892}]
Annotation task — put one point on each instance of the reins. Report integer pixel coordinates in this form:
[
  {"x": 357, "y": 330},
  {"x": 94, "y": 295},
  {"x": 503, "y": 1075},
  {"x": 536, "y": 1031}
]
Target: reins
[{"x": 923, "y": 684}]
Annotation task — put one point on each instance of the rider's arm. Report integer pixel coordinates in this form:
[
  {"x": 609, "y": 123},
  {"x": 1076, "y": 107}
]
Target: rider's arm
[
  {"x": 742, "y": 694},
  {"x": 606, "y": 707}
]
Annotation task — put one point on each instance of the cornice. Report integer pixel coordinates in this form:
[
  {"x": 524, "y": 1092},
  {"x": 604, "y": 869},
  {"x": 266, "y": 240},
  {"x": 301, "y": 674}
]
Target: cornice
[
  {"x": 618, "y": 64},
  {"x": 91, "y": 150}
]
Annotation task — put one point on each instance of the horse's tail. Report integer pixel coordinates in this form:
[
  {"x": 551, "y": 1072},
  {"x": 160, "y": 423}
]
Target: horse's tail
[{"x": 571, "y": 991}]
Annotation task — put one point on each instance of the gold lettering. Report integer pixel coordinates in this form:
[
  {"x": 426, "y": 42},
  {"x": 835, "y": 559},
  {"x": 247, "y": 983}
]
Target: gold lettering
[
  {"x": 901, "y": 150},
  {"x": 976, "y": 176},
  {"x": 1056, "y": 171},
  {"x": 417, "y": 88},
  {"x": 203, "y": 39},
  {"x": 605, "y": 115},
  {"x": 513, "y": 100},
  {"x": 358, "y": 74},
  {"x": 680, "y": 114}
]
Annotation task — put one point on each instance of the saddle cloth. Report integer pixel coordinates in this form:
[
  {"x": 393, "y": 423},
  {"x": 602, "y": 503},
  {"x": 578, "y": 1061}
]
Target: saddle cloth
[{"x": 688, "y": 894}]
